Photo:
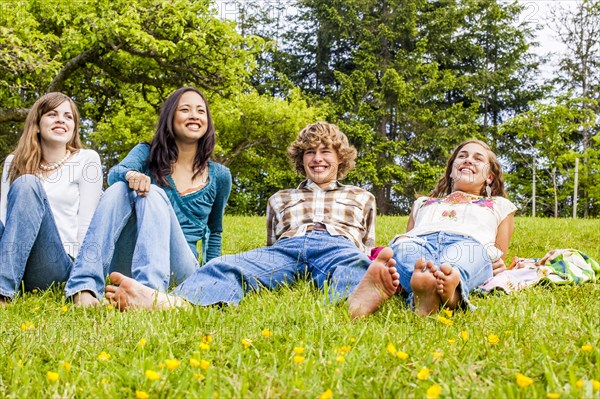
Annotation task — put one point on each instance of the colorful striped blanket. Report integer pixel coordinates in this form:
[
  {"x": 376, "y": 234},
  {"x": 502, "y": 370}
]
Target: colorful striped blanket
[{"x": 560, "y": 266}]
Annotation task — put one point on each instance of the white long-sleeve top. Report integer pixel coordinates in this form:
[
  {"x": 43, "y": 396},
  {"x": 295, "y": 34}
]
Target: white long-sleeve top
[{"x": 73, "y": 191}]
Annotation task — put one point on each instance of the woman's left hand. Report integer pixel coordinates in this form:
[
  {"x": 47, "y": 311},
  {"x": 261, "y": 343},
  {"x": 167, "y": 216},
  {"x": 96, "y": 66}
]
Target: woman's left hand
[{"x": 498, "y": 266}]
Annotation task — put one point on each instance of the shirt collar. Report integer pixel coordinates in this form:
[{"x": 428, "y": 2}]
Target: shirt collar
[{"x": 311, "y": 185}]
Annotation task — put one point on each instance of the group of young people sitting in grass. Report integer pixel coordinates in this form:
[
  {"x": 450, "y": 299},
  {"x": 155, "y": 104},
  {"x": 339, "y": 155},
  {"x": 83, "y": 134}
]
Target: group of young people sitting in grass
[{"x": 167, "y": 195}]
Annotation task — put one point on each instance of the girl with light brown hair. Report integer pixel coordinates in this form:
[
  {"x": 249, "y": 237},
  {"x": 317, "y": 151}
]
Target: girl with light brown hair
[{"x": 49, "y": 192}]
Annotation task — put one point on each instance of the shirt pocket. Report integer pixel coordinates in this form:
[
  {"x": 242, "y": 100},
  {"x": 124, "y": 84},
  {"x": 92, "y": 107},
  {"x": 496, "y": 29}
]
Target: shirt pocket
[
  {"x": 291, "y": 213},
  {"x": 350, "y": 212}
]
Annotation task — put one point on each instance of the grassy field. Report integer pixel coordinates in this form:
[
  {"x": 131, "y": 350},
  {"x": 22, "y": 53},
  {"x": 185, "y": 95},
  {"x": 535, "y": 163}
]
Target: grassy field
[{"x": 288, "y": 343}]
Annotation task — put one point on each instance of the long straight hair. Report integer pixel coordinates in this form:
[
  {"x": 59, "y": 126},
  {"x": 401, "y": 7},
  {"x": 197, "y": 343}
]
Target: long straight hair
[
  {"x": 444, "y": 185},
  {"x": 28, "y": 154},
  {"x": 163, "y": 148}
]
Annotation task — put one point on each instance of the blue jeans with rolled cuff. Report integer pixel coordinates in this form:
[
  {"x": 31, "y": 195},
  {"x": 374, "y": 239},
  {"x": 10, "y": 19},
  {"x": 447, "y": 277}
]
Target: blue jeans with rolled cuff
[
  {"x": 31, "y": 250},
  {"x": 137, "y": 236},
  {"x": 331, "y": 261}
]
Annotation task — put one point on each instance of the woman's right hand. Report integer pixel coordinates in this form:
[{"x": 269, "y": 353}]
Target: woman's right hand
[{"x": 138, "y": 182}]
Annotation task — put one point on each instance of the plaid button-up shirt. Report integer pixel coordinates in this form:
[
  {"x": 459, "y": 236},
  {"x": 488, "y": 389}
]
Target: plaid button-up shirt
[{"x": 348, "y": 211}]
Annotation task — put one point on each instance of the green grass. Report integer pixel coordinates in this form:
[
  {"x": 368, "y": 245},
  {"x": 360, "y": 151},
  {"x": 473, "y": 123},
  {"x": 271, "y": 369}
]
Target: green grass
[{"x": 541, "y": 332}]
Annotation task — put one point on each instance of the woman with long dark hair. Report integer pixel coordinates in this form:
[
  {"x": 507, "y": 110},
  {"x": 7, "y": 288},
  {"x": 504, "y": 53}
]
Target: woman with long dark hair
[
  {"x": 164, "y": 198},
  {"x": 50, "y": 189}
]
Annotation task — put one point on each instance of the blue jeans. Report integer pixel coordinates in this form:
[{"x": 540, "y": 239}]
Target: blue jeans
[
  {"x": 31, "y": 250},
  {"x": 137, "y": 236},
  {"x": 332, "y": 261},
  {"x": 465, "y": 254}
]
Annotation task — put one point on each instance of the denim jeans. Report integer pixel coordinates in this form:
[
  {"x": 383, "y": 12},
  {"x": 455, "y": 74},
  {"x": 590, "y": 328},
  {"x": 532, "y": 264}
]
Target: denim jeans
[
  {"x": 332, "y": 261},
  {"x": 31, "y": 250},
  {"x": 137, "y": 236},
  {"x": 465, "y": 254}
]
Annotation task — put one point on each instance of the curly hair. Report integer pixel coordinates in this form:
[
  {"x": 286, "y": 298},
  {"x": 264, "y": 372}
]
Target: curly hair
[
  {"x": 329, "y": 135},
  {"x": 444, "y": 185},
  {"x": 28, "y": 154}
]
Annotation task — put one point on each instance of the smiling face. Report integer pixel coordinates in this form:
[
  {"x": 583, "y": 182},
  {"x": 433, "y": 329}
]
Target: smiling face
[
  {"x": 321, "y": 164},
  {"x": 471, "y": 169},
  {"x": 57, "y": 125},
  {"x": 190, "y": 121}
]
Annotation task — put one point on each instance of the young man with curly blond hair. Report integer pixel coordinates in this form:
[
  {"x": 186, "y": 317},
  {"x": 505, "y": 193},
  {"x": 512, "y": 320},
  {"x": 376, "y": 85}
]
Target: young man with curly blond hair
[{"x": 322, "y": 228}]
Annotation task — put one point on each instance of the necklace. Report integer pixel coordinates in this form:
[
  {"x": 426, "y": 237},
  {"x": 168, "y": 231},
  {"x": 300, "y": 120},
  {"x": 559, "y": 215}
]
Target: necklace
[{"x": 55, "y": 165}]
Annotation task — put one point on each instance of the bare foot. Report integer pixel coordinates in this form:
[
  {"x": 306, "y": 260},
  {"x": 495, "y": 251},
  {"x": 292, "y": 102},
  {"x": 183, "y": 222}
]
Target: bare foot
[
  {"x": 424, "y": 286},
  {"x": 379, "y": 284},
  {"x": 129, "y": 294},
  {"x": 3, "y": 301},
  {"x": 448, "y": 279},
  {"x": 85, "y": 299}
]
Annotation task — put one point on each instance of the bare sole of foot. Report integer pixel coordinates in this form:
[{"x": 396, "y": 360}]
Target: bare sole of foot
[
  {"x": 424, "y": 286},
  {"x": 448, "y": 279},
  {"x": 377, "y": 286},
  {"x": 85, "y": 299},
  {"x": 128, "y": 294}
]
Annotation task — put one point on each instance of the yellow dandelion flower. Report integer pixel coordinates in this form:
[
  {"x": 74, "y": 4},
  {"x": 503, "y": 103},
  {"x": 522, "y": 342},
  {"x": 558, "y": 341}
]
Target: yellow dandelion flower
[
  {"x": 204, "y": 364},
  {"x": 141, "y": 395},
  {"x": 194, "y": 362},
  {"x": 434, "y": 391},
  {"x": 152, "y": 375},
  {"x": 299, "y": 350},
  {"x": 451, "y": 341},
  {"x": 216, "y": 395},
  {"x": 52, "y": 376},
  {"x": 596, "y": 385},
  {"x": 391, "y": 349},
  {"x": 172, "y": 364},
  {"x": 266, "y": 333},
  {"x": 328, "y": 394},
  {"x": 553, "y": 395},
  {"x": 402, "y": 355},
  {"x": 448, "y": 312},
  {"x": 104, "y": 381},
  {"x": 579, "y": 384},
  {"x": 523, "y": 381},
  {"x": 103, "y": 356},
  {"x": 344, "y": 349},
  {"x": 20, "y": 363},
  {"x": 423, "y": 374},
  {"x": 299, "y": 359},
  {"x": 199, "y": 376},
  {"x": 340, "y": 359},
  {"x": 203, "y": 346},
  {"x": 141, "y": 343},
  {"x": 247, "y": 343},
  {"x": 445, "y": 321},
  {"x": 438, "y": 355},
  {"x": 27, "y": 326},
  {"x": 66, "y": 366},
  {"x": 464, "y": 335},
  {"x": 64, "y": 308},
  {"x": 111, "y": 307},
  {"x": 493, "y": 339},
  {"x": 207, "y": 339},
  {"x": 586, "y": 348},
  {"x": 352, "y": 339}
]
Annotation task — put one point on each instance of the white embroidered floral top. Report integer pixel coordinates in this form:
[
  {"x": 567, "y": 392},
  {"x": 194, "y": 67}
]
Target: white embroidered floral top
[{"x": 464, "y": 214}]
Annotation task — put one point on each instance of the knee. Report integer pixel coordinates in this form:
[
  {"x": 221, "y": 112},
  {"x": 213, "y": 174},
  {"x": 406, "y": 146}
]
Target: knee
[
  {"x": 26, "y": 185},
  {"x": 157, "y": 194},
  {"x": 118, "y": 193}
]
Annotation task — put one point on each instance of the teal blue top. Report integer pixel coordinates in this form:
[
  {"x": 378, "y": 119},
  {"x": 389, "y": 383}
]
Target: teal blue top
[{"x": 200, "y": 214}]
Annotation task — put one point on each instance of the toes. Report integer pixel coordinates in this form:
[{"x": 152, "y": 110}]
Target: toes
[
  {"x": 116, "y": 278},
  {"x": 446, "y": 269}
]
